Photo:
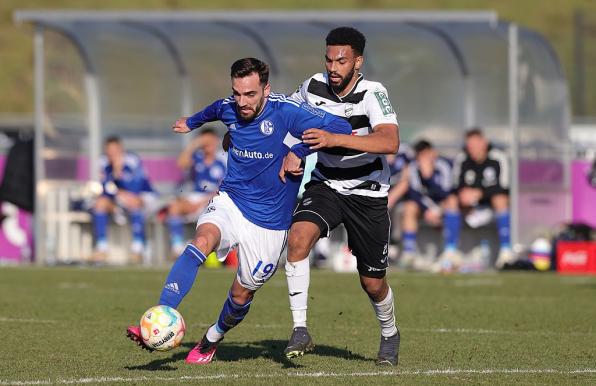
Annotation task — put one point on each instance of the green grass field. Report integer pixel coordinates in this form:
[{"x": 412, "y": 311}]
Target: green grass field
[{"x": 66, "y": 325}]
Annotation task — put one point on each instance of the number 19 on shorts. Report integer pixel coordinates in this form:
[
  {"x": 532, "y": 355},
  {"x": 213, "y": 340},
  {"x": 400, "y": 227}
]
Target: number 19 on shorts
[{"x": 266, "y": 271}]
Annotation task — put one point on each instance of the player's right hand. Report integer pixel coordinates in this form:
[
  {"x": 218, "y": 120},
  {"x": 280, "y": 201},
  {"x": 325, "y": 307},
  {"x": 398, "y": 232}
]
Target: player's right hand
[
  {"x": 180, "y": 126},
  {"x": 291, "y": 164}
]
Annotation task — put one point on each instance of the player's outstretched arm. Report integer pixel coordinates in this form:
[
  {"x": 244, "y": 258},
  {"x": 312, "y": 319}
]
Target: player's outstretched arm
[
  {"x": 383, "y": 140},
  {"x": 208, "y": 114}
]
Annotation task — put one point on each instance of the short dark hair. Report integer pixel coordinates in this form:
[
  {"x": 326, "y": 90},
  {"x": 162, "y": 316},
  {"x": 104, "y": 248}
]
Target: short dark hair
[
  {"x": 112, "y": 139},
  {"x": 474, "y": 131},
  {"x": 422, "y": 145},
  {"x": 208, "y": 130},
  {"x": 347, "y": 36},
  {"x": 246, "y": 66}
]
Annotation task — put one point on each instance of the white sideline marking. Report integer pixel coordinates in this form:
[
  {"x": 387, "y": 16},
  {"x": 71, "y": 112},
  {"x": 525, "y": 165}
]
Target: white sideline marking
[
  {"x": 322, "y": 374},
  {"x": 495, "y": 332},
  {"x": 17, "y": 320}
]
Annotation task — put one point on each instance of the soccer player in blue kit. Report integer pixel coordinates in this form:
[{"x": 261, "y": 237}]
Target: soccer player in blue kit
[{"x": 253, "y": 209}]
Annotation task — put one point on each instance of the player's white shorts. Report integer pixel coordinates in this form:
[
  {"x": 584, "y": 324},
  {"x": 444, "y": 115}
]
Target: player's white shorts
[{"x": 259, "y": 249}]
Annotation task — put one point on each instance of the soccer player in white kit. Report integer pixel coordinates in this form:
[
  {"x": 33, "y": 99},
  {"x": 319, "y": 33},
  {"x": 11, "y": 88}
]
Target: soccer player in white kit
[{"x": 348, "y": 186}]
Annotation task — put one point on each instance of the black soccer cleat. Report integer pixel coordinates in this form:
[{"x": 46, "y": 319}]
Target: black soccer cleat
[
  {"x": 389, "y": 350},
  {"x": 300, "y": 343},
  {"x": 134, "y": 333}
]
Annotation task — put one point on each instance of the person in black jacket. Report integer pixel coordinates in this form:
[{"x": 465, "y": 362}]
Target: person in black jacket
[{"x": 482, "y": 178}]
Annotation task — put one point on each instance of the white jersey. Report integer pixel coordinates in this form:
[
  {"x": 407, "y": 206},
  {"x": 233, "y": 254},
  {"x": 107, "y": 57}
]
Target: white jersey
[{"x": 367, "y": 105}]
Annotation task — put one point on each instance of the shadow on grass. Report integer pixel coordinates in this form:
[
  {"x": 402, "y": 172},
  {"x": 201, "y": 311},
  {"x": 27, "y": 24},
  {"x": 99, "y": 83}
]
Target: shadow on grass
[{"x": 232, "y": 352}]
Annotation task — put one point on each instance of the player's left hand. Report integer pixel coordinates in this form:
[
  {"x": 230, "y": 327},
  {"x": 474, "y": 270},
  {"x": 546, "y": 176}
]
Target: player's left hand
[
  {"x": 318, "y": 138},
  {"x": 292, "y": 165},
  {"x": 180, "y": 126}
]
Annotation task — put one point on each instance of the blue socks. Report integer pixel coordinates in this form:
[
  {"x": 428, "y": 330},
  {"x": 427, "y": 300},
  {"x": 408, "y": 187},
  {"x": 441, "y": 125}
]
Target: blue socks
[
  {"x": 451, "y": 229},
  {"x": 137, "y": 219},
  {"x": 176, "y": 227},
  {"x": 182, "y": 276},
  {"x": 231, "y": 314},
  {"x": 502, "y": 219},
  {"x": 100, "y": 224},
  {"x": 409, "y": 241}
]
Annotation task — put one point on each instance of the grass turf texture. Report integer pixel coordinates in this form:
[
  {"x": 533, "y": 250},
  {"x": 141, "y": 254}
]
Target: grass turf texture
[{"x": 67, "y": 324}]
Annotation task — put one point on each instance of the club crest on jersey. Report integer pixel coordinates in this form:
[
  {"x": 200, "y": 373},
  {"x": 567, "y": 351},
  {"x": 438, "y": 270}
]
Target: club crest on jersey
[
  {"x": 267, "y": 127},
  {"x": 349, "y": 110}
]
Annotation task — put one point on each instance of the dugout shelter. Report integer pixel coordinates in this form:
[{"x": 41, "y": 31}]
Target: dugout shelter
[{"x": 133, "y": 73}]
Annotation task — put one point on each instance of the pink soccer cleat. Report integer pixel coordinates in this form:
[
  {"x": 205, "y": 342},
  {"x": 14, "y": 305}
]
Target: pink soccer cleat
[
  {"x": 203, "y": 352},
  {"x": 134, "y": 333}
]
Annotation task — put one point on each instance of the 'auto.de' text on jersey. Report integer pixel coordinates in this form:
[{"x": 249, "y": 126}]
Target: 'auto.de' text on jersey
[
  {"x": 364, "y": 107},
  {"x": 132, "y": 178},
  {"x": 256, "y": 153}
]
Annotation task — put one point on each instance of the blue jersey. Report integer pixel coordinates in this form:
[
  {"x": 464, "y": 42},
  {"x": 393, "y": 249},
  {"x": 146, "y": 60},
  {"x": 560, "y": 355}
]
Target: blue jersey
[
  {"x": 404, "y": 156},
  {"x": 132, "y": 178},
  {"x": 256, "y": 152},
  {"x": 206, "y": 178},
  {"x": 429, "y": 192}
]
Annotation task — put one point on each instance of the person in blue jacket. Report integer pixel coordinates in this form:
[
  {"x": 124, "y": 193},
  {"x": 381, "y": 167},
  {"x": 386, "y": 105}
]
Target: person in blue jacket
[
  {"x": 125, "y": 186},
  {"x": 431, "y": 196}
]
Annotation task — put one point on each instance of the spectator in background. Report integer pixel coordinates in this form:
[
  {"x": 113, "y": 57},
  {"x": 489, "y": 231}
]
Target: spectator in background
[
  {"x": 481, "y": 175},
  {"x": 398, "y": 166},
  {"x": 206, "y": 171},
  {"x": 431, "y": 195},
  {"x": 125, "y": 186}
]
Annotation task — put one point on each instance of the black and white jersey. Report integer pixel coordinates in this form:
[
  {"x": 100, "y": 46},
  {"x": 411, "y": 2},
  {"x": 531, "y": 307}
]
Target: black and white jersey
[
  {"x": 350, "y": 171},
  {"x": 492, "y": 176}
]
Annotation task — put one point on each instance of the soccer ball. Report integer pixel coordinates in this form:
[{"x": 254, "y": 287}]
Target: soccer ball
[{"x": 162, "y": 328}]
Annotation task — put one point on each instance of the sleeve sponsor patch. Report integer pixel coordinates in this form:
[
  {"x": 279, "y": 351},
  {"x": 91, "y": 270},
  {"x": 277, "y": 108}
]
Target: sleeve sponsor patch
[
  {"x": 312, "y": 110},
  {"x": 384, "y": 103}
]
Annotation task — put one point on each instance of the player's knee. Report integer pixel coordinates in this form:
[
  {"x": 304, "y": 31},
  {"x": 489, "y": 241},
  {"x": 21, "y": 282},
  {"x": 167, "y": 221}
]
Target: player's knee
[
  {"x": 374, "y": 287},
  {"x": 451, "y": 204},
  {"x": 241, "y": 295},
  {"x": 102, "y": 204},
  {"x": 174, "y": 209},
  {"x": 410, "y": 208},
  {"x": 134, "y": 204},
  {"x": 202, "y": 243},
  {"x": 500, "y": 202},
  {"x": 300, "y": 240}
]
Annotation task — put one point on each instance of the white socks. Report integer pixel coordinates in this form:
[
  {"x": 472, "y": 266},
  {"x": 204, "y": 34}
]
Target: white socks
[
  {"x": 213, "y": 335},
  {"x": 298, "y": 275},
  {"x": 386, "y": 315}
]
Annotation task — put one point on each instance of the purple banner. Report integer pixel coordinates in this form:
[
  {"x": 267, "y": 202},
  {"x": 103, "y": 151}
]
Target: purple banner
[{"x": 583, "y": 195}]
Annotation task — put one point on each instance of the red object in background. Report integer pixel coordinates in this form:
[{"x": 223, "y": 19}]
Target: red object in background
[
  {"x": 576, "y": 257},
  {"x": 232, "y": 259}
]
